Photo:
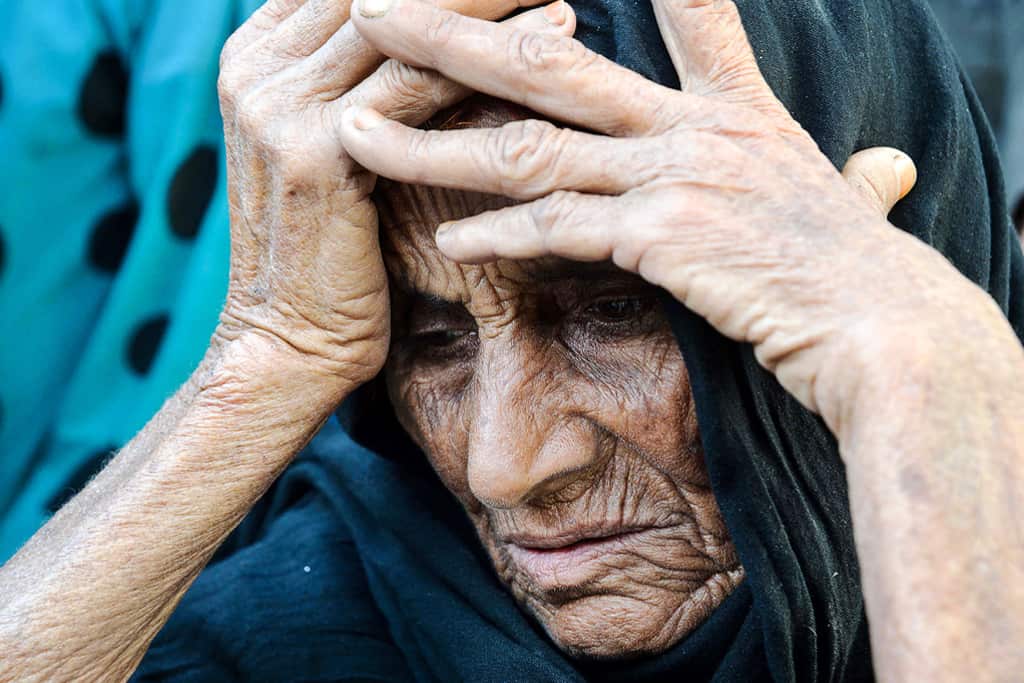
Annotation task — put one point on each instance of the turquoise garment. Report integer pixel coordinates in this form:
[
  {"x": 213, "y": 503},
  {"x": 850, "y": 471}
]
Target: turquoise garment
[{"x": 114, "y": 229}]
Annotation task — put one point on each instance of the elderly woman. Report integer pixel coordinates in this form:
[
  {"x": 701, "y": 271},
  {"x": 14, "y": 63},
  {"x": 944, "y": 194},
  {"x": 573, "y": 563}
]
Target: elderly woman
[{"x": 533, "y": 351}]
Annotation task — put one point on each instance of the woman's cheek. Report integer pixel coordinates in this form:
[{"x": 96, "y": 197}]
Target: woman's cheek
[
  {"x": 647, "y": 401},
  {"x": 432, "y": 408}
]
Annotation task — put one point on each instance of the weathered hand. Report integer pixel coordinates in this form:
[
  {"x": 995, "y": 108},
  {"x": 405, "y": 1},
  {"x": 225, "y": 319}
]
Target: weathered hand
[
  {"x": 713, "y": 192},
  {"x": 306, "y": 270}
]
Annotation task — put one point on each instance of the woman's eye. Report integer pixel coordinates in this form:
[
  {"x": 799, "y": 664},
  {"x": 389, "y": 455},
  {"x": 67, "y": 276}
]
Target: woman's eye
[
  {"x": 617, "y": 310},
  {"x": 440, "y": 339}
]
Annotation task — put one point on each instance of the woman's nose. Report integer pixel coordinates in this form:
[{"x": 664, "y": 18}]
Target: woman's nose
[{"x": 527, "y": 438}]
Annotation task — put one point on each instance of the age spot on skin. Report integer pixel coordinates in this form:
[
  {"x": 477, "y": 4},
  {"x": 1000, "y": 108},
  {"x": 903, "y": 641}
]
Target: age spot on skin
[{"x": 914, "y": 484}]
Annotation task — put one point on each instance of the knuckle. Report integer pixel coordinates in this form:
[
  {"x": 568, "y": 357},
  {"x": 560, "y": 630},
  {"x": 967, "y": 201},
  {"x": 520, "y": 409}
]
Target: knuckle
[
  {"x": 422, "y": 144},
  {"x": 576, "y": 56},
  {"x": 420, "y": 147},
  {"x": 442, "y": 27},
  {"x": 526, "y": 152},
  {"x": 228, "y": 102},
  {"x": 551, "y": 218},
  {"x": 409, "y": 86},
  {"x": 227, "y": 94},
  {"x": 528, "y": 49},
  {"x": 533, "y": 52},
  {"x": 232, "y": 47},
  {"x": 861, "y": 186},
  {"x": 228, "y": 50},
  {"x": 252, "y": 115},
  {"x": 228, "y": 87},
  {"x": 878, "y": 187},
  {"x": 271, "y": 13},
  {"x": 249, "y": 33}
]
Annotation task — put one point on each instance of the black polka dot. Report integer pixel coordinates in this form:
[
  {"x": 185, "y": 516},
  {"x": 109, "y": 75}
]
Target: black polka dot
[
  {"x": 191, "y": 190},
  {"x": 145, "y": 343},
  {"x": 111, "y": 236},
  {"x": 102, "y": 99},
  {"x": 89, "y": 468}
]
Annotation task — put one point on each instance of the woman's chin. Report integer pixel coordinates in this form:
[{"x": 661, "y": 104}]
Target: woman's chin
[
  {"x": 611, "y": 627},
  {"x": 632, "y": 622}
]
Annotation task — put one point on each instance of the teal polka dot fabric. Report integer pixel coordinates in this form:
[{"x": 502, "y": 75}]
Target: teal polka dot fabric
[{"x": 113, "y": 230}]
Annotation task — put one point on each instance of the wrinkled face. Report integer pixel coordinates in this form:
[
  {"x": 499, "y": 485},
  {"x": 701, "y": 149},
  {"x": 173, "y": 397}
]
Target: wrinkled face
[{"x": 553, "y": 401}]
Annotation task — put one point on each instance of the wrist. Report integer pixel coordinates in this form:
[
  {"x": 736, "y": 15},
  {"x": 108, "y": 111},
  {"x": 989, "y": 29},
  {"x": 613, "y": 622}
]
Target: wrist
[
  {"x": 932, "y": 448},
  {"x": 911, "y": 330},
  {"x": 263, "y": 365},
  {"x": 341, "y": 353},
  {"x": 257, "y": 383},
  {"x": 954, "y": 361}
]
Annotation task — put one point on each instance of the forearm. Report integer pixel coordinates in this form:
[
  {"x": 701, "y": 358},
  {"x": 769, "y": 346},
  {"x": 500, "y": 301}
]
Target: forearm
[
  {"x": 87, "y": 594},
  {"x": 935, "y": 462}
]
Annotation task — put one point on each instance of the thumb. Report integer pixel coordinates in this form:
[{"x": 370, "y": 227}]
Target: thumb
[{"x": 882, "y": 175}]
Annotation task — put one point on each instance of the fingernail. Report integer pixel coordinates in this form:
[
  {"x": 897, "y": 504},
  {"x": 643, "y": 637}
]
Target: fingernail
[
  {"x": 444, "y": 234},
  {"x": 374, "y": 8},
  {"x": 363, "y": 119},
  {"x": 907, "y": 172},
  {"x": 555, "y": 13}
]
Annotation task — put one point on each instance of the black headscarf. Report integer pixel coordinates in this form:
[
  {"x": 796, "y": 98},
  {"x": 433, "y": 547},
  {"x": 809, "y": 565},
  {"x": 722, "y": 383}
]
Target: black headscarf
[{"x": 360, "y": 566}]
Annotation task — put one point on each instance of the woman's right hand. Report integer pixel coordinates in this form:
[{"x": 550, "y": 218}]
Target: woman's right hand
[
  {"x": 307, "y": 285},
  {"x": 306, "y": 319}
]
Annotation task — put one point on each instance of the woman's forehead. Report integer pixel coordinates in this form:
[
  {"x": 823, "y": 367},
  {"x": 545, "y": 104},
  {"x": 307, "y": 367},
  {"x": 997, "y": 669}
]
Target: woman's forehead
[
  {"x": 410, "y": 214},
  {"x": 416, "y": 266}
]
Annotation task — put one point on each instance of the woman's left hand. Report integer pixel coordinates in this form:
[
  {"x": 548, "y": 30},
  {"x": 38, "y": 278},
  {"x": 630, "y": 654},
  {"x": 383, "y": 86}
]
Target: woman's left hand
[{"x": 713, "y": 192}]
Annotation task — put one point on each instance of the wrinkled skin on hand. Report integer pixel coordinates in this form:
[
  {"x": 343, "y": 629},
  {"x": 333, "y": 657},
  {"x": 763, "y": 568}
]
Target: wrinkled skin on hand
[{"x": 306, "y": 271}]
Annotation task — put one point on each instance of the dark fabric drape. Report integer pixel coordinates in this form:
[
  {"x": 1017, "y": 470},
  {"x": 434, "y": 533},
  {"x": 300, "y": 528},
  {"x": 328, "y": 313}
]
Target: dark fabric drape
[{"x": 360, "y": 566}]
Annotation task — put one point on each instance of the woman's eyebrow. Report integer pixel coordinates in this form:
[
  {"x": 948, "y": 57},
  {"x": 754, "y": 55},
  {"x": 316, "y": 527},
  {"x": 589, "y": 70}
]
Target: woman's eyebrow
[
  {"x": 546, "y": 273},
  {"x": 563, "y": 271},
  {"x": 428, "y": 301}
]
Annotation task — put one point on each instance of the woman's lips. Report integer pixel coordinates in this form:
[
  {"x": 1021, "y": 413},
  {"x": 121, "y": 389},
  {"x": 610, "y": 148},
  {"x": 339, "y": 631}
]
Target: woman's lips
[{"x": 564, "y": 562}]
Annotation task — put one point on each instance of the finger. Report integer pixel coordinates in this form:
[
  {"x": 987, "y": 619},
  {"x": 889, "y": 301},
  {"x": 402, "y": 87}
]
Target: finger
[
  {"x": 347, "y": 47},
  {"x": 552, "y": 75},
  {"x": 522, "y": 159},
  {"x": 566, "y": 224},
  {"x": 309, "y": 27},
  {"x": 411, "y": 95},
  {"x": 709, "y": 46},
  {"x": 882, "y": 175},
  {"x": 261, "y": 22}
]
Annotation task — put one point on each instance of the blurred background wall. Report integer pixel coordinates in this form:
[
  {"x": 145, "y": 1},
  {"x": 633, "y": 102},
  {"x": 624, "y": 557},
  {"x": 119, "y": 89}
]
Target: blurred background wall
[
  {"x": 113, "y": 221},
  {"x": 989, "y": 35}
]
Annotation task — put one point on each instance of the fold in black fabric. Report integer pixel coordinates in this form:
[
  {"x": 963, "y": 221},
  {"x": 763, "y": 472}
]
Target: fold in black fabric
[{"x": 360, "y": 566}]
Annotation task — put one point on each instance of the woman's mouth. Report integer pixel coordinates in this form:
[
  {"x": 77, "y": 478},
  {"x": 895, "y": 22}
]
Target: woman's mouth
[{"x": 559, "y": 562}]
